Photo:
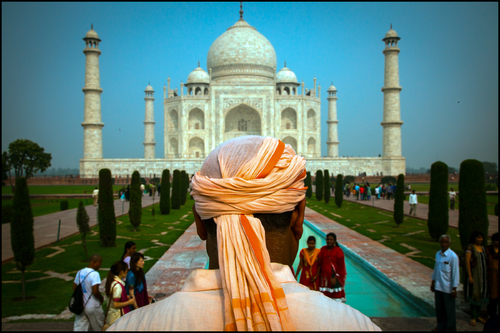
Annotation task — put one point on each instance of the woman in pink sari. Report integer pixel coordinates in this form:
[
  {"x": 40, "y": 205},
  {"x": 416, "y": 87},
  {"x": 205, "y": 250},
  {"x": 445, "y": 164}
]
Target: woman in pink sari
[{"x": 333, "y": 272}]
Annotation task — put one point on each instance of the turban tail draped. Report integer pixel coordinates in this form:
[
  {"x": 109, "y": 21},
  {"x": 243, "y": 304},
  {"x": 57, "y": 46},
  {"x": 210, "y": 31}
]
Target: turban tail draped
[{"x": 271, "y": 182}]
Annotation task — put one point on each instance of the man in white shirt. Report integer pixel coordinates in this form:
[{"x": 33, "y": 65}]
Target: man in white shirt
[
  {"x": 413, "y": 203},
  {"x": 445, "y": 280},
  {"x": 452, "y": 195},
  {"x": 92, "y": 314},
  {"x": 95, "y": 195}
]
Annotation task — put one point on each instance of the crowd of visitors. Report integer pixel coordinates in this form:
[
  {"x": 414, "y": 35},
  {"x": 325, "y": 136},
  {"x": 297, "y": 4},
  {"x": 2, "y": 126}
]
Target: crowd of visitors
[{"x": 125, "y": 288}]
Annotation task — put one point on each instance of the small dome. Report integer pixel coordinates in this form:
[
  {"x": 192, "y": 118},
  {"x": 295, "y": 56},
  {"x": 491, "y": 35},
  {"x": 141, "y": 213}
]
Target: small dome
[
  {"x": 332, "y": 88},
  {"x": 286, "y": 75},
  {"x": 391, "y": 33},
  {"x": 149, "y": 88},
  {"x": 198, "y": 76},
  {"x": 92, "y": 34}
]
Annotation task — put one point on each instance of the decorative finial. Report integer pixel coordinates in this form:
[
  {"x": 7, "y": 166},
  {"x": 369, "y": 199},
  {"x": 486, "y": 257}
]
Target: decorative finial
[
  {"x": 285, "y": 63},
  {"x": 198, "y": 63},
  {"x": 241, "y": 10},
  {"x": 149, "y": 83},
  {"x": 91, "y": 26},
  {"x": 391, "y": 26}
]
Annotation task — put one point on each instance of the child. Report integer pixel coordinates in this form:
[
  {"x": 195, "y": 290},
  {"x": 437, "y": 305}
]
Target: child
[{"x": 118, "y": 300}]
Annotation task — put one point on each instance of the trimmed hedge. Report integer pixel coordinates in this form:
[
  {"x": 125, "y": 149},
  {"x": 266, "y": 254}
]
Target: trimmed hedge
[
  {"x": 339, "y": 193},
  {"x": 64, "y": 204},
  {"x": 308, "y": 183},
  {"x": 165, "y": 193},
  {"x": 326, "y": 186},
  {"x": 82, "y": 221},
  {"x": 473, "y": 214},
  {"x": 106, "y": 209},
  {"x": 6, "y": 213},
  {"x": 135, "y": 207},
  {"x": 176, "y": 190},
  {"x": 388, "y": 180},
  {"x": 183, "y": 187},
  {"x": 319, "y": 185},
  {"x": 399, "y": 200},
  {"x": 438, "y": 216}
]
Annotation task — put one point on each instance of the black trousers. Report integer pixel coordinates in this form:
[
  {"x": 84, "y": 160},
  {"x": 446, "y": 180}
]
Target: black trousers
[{"x": 445, "y": 311}]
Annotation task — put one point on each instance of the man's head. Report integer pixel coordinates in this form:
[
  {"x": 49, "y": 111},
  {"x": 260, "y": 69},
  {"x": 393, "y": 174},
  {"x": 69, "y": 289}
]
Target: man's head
[
  {"x": 445, "y": 242},
  {"x": 413, "y": 191},
  {"x": 95, "y": 262}
]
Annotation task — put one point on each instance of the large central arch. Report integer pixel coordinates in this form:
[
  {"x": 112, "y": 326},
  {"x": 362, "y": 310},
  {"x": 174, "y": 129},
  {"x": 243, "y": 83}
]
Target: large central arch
[{"x": 242, "y": 120}]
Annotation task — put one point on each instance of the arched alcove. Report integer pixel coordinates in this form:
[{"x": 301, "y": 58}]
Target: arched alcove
[
  {"x": 286, "y": 91},
  {"x": 206, "y": 92},
  {"x": 241, "y": 120},
  {"x": 173, "y": 121},
  {"x": 311, "y": 120},
  {"x": 288, "y": 119},
  {"x": 291, "y": 141},
  {"x": 198, "y": 91},
  {"x": 311, "y": 147},
  {"x": 174, "y": 147},
  {"x": 196, "y": 116},
  {"x": 196, "y": 148}
]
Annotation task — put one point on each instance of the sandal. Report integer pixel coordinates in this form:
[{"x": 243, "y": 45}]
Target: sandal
[
  {"x": 472, "y": 322},
  {"x": 481, "y": 320}
]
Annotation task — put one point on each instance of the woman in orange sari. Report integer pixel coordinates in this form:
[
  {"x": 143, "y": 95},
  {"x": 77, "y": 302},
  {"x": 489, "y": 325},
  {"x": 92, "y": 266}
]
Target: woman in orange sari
[{"x": 309, "y": 261}]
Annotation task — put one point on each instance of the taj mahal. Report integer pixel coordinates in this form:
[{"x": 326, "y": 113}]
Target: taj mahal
[{"x": 240, "y": 93}]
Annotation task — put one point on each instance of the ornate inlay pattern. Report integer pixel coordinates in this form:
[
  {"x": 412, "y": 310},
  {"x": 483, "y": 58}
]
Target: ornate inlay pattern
[{"x": 230, "y": 102}]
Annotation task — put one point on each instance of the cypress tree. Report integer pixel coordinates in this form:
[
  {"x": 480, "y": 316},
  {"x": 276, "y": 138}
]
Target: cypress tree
[
  {"x": 135, "y": 207},
  {"x": 438, "y": 216},
  {"x": 21, "y": 229},
  {"x": 183, "y": 187},
  {"x": 308, "y": 183},
  {"x": 176, "y": 190},
  {"x": 327, "y": 186},
  {"x": 319, "y": 185},
  {"x": 82, "y": 221},
  {"x": 339, "y": 193},
  {"x": 473, "y": 214},
  {"x": 106, "y": 209},
  {"x": 165, "y": 192},
  {"x": 399, "y": 200}
]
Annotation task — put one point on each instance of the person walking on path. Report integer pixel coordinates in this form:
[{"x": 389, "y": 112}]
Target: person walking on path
[
  {"x": 95, "y": 195},
  {"x": 90, "y": 279},
  {"x": 348, "y": 189},
  {"x": 475, "y": 286},
  {"x": 445, "y": 280},
  {"x": 142, "y": 189},
  {"x": 492, "y": 252},
  {"x": 452, "y": 195},
  {"x": 368, "y": 192},
  {"x": 136, "y": 281},
  {"x": 362, "y": 191},
  {"x": 389, "y": 191},
  {"x": 127, "y": 193},
  {"x": 356, "y": 188},
  {"x": 413, "y": 203},
  {"x": 309, "y": 261},
  {"x": 118, "y": 299},
  {"x": 332, "y": 269},
  {"x": 159, "y": 189}
]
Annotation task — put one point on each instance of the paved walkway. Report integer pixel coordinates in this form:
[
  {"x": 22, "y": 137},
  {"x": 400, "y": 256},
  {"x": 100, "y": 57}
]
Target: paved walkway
[
  {"x": 45, "y": 227},
  {"x": 422, "y": 211}
]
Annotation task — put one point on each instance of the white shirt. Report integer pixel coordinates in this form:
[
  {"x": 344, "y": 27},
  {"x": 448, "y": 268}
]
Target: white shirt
[
  {"x": 92, "y": 279},
  {"x": 199, "y": 306},
  {"x": 413, "y": 199},
  {"x": 376, "y": 190},
  {"x": 446, "y": 271},
  {"x": 452, "y": 194},
  {"x": 95, "y": 193}
]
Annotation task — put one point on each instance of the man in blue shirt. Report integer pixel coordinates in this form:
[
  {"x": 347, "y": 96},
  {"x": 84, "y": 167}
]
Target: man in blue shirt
[
  {"x": 445, "y": 280},
  {"x": 357, "y": 191}
]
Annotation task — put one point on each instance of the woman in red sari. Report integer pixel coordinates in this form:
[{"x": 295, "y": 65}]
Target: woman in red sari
[
  {"x": 309, "y": 261},
  {"x": 333, "y": 272}
]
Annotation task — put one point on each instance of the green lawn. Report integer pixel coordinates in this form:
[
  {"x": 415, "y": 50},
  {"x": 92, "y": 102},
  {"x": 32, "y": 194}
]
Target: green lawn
[
  {"x": 490, "y": 199},
  {"x": 48, "y": 206},
  {"x": 367, "y": 221},
  {"x": 59, "y": 189},
  {"x": 53, "y": 294},
  {"x": 426, "y": 186}
]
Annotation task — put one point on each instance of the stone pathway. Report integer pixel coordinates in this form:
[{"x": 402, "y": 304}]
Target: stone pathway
[
  {"x": 422, "y": 211},
  {"x": 45, "y": 227}
]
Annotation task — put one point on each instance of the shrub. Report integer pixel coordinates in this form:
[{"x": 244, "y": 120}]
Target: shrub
[
  {"x": 349, "y": 179},
  {"x": 135, "y": 207},
  {"x": 106, "y": 209},
  {"x": 143, "y": 181},
  {"x": 6, "y": 213},
  {"x": 473, "y": 214},
  {"x": 176, "y": 190},
  {"x": 155, "y": 181},
  {"x": 399, "y": 200},
  {"x": 183, "y": 187},
  {"x": 388, "y": 179},
  {"x": 326, "y": 186},
  {"x": 308, "y": 183},
  {"x": 64, "y": 205},
  {"x": 82, "y": 221},
  {"x": 339, "y": 193},
  {"x": 21, "y": 229},
  {"x": 319, "y": 185},
  {"x": 437, "y": 218},
  {"x": 147, "y": 187},
  {"x": 165, "y": 193}
]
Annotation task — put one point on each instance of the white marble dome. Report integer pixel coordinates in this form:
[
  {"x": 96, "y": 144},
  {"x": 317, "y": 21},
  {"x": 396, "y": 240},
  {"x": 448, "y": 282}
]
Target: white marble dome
[
  {"x": 332, "y": 88},
  {"x": 391, "y": 34},
  {"x": 149, "y": 88},
  {"x": 92, "y": 34},
  {"x": 285, "y": 75},
  {"x": 241, "y": 50},
  {"x": 198, "y": 76}
]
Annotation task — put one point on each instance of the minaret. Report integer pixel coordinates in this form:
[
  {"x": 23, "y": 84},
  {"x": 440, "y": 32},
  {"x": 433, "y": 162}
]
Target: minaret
[
  {"x": 92, "y": 125},
  {"x": 333, "y": 136},
  {"x": 149, "y": 125},
  {"x": 392, "y": 111}
]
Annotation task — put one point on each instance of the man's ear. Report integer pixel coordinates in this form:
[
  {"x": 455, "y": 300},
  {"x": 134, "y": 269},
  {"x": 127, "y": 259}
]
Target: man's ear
[
  {"x": 200, "y": 226},
  {"x": 297, "y": 222}
]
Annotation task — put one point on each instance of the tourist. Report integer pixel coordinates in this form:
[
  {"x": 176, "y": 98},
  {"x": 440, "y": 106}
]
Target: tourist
[
  {"x": 142, "y": 189},
  {"x": 452, "y": 195},
  {"x": 389, "y": 191},
  {"x": 384, "y": 191},
  {"x": 135, "y": 282},
  {"x": 95, "y": 195},
  {"x": 118, "y": 300},
  {"x": 246, "y": 168},
  {"x": 348, "y": 189},
  {"x": 475, "y": 286},
  {"x": 362, "y": 192},
  {"x": 332, "y": 267},
  {"x": 150, "y": 190},
  {"x": 445, "y": 280},
  {"x": 127, "y": 193},
  {"x": 356, "y": 188},
  {"x": 368, "y": 192},
  {"x": 393, "y": 191},
  {"x": 90, "y": 280},
  {"x": 492, "y": 252},
  {"x": 309, "y": 261},
  {"x": 159, "y": 189},
  {"x": 413, "y": 203},
  {"x": 154, "y": 189},
  {"x": 130, "y": 249},
  {"x": 377, "y": 191}
]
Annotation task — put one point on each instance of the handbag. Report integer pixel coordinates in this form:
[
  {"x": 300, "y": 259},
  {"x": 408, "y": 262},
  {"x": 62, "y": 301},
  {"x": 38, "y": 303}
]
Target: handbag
[{"x": 106, "y": 326}]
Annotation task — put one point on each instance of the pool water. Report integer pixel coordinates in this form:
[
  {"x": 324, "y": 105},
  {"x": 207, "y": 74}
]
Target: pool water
[{"x": 364, "y": 291}]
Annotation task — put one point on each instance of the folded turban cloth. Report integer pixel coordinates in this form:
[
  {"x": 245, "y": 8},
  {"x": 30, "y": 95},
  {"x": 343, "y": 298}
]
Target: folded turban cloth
[{"x": 243, "y": 176}]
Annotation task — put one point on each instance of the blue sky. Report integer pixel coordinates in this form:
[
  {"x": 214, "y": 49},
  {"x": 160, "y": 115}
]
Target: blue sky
[{"x": 448, "y": 70}]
